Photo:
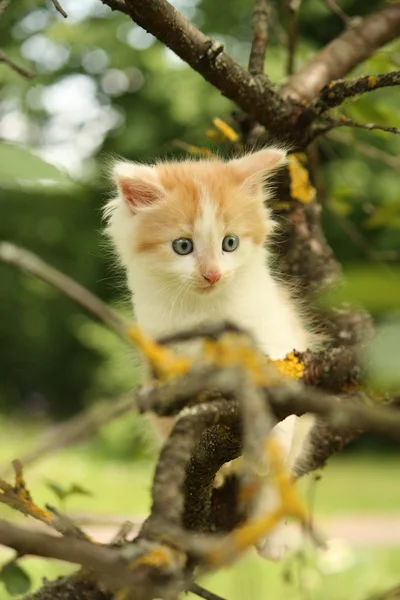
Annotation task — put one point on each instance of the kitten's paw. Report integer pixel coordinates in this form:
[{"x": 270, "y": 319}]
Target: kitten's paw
[{"x": 277, "y": 544}]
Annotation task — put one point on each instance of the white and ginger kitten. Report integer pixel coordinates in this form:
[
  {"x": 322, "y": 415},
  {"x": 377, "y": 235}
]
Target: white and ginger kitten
[{"x": 191, "y": 236}]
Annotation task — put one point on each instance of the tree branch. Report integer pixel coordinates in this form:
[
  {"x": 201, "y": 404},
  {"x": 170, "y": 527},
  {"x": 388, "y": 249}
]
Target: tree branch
[
  {"x": 79, "y": 427},
  {"x": 255, "y": 95},
  {"x": 285, "y": 399},
  {"x": 260, "y": 37},
  {"x": 337, "y": 10},
  {"x": 330, "y": 124},
  {"x": 20, "y": 70},
  {"x": 336, "y": 92},
  {"x": 292, "y": 9},
  {"x": 32, "y": 264},
  {"x": 344, "y": 53},
  {"x": 59, "y": 8}
]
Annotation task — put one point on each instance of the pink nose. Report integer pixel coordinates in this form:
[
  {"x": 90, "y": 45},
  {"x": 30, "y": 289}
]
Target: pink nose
[{"x": 212, "y": 277}]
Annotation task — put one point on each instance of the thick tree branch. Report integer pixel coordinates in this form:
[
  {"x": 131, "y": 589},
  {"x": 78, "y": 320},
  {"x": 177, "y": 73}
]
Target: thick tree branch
[
  {"x": 260, "y": 37},
  {"x": 344, "y": 53},
  {"x": 72, "y": 550},
  {"x": 285, "y": 399},
  {"x": 336, "y": 92},
  {"x": 255, "y": 95}
]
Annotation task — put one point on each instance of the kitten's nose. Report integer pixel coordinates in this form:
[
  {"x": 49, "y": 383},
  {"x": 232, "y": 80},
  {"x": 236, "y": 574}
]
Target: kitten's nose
[{"x": 212, "y": 277}]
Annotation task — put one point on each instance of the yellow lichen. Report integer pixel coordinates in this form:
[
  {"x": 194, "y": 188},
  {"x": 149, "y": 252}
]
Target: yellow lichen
[
  {"x": 165, "y": 363},
  {"x": 229, "y": 133},
  {"x": 232, "y": 350},
  {"x": 251, "y": 532},
  {"x": 300, "y": 186},
  {"x": 291, "y": 366},
  {"x": 372, "y": 81},
  {"x": 19, "y": 498},
  {"x": 199, "y": 150}
]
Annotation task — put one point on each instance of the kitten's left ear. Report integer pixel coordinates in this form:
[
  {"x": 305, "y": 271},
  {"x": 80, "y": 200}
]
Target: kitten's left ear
[
  {"x": 255, "y": 167},
  {"x": 137, "y": 184}
]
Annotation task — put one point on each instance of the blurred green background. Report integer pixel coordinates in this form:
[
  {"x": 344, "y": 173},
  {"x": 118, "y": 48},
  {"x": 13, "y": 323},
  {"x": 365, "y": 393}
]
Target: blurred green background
[{"x": 104, "y": 87}]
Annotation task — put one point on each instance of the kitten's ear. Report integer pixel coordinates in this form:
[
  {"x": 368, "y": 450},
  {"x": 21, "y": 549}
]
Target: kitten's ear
[
  {"x": 255, "y": 167},
  {"x": 137, "y": 184}
]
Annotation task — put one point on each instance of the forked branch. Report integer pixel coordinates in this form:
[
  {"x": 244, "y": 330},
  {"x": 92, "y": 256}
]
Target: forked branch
[{"x": 338, "y": 58}]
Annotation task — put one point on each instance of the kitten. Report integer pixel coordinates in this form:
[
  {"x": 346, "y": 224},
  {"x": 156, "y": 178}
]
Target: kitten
[{"x": 191, "y": 236}]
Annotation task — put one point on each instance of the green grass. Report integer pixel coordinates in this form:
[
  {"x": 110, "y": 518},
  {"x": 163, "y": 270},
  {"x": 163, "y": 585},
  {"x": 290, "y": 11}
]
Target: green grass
[{"x": 349, "y": 484}]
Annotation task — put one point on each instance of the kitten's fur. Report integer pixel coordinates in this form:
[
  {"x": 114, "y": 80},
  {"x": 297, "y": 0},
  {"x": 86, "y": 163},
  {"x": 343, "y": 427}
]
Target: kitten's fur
[{"x": 205, "y": 201}]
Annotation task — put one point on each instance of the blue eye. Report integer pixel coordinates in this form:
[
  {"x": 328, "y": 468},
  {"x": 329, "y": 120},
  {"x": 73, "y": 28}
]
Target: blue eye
[
  {"x": 182, "y": 246},
  {"x": 230, "y": 243}
]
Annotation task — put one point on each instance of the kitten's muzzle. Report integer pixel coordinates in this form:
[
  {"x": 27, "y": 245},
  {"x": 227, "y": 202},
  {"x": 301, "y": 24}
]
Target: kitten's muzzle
[{"x": 212, "y": 277}]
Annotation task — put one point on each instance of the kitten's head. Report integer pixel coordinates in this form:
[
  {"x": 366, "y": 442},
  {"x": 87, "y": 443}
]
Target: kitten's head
[{"x": 193, "y": 223}]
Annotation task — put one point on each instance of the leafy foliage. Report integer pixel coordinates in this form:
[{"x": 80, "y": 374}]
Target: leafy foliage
[{"x": 15, "y": 579}]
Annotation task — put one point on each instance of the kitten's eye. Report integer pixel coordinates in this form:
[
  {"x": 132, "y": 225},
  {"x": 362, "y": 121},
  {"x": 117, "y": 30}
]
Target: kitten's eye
[
  {"x": 230, "y": 243},
  {"x": 182, "y": 246}
]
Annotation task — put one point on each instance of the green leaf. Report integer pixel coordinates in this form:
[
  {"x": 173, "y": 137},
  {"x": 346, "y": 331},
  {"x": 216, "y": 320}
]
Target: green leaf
[
  {"x": 15, "y": 579},
  {"x": 78, "y": 489},
  {"x": 57, "y": 489},
  {"x": 387, "y": 215},
  {"x": 18, "y": 166}
]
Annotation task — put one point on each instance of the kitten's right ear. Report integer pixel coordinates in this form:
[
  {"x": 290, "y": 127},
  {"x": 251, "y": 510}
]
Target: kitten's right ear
[{"x": 138, "y": 185}]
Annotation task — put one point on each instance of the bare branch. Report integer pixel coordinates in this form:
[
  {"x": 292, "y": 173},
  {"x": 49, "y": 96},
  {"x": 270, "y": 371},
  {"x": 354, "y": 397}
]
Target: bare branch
[
  {"x": 202, "y": 593},
  {"x": 107, "y": 562},
  {"x": 256, "y": 96},
  {"x": 76, "y": 429},
  {"x": 367, "y": 149},
  {"x": 59, "y": 8},
  {"x": 32, "y": 264},
  {"x": 344, "y": 53},
  {"x": 338, "y": 11},
  {"x": 292, "y": 10},
  {"x": 336, "y": 92},
  {"x": 318, "y": 130},
  {"x": 20, "y": 70},
  {"x": 260, "y": 37}
]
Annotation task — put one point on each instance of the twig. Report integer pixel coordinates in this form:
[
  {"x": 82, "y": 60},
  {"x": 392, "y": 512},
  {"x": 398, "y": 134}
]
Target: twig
[
  {"x": 206, "y": 56},
  {"x": 345, "y": 52},
  {"x": 20, "y": 70},
  {"x": 32, "y": 264},
  {"x": 367, "y": 149},
  {"x": 292, "y": 10},
  {"x": 59, "y": 8},
  {"x": 202, "y": 593},
  {"x": 19, "y": 498},
  {"x": 337, "y": 10},
  {"x": 318, "y": 130},
  {"x": 260, "y": 37},
  {"x": 74, "y": 430},
  {"x": 336, "y": 92}
]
